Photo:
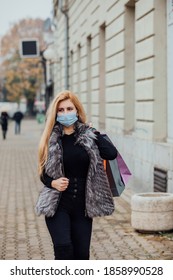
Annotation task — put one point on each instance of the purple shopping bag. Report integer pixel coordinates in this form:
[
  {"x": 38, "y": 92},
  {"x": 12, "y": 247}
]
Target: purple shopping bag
[
  {"x": 117, "y": 172},
  {"x": 123, "y": 168}
]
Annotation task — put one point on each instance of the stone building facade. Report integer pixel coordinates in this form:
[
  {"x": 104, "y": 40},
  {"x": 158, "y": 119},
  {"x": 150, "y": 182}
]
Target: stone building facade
[{"x": 115, "y": 54}]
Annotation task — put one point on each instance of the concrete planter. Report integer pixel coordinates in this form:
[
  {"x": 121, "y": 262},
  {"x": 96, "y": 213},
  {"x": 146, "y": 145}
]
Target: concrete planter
[{"x": 152, "y": 211}]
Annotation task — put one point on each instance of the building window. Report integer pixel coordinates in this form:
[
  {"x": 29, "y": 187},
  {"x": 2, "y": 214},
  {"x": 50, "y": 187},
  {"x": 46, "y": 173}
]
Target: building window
[
  {"x": 60, "y": 74},
  {"x": 71, "y": 70},
  {"x": 79, "y": 69},
  {"x": 89, "y": 78},
  {"x": 129, "y": 90},
  {"x": 102, "y": 58}
]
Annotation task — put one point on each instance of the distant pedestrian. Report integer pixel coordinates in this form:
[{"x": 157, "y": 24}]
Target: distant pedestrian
[
  {"x": 4, "y": 124},
  {"x": 18, "y": 116}
]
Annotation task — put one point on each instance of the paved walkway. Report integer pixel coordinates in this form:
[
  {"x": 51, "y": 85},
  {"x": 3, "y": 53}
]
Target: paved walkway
[{"x": 24, "y": 236}]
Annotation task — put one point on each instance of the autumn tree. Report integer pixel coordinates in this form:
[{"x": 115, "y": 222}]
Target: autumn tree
[{"x": 23, "y": 76}]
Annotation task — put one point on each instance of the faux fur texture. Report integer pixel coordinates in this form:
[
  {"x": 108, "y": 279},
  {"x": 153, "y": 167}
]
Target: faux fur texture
[{"x": 99, "y": 201}]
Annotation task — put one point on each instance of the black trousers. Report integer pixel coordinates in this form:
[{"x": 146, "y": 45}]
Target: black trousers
[
  {"x": 4, "y": 133},
  {"x": 17, "y": 127},
  {"x": 69, "y": 228}
]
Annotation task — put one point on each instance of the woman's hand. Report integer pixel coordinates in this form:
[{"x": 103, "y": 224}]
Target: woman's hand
[{"x": 60, "y": 184}]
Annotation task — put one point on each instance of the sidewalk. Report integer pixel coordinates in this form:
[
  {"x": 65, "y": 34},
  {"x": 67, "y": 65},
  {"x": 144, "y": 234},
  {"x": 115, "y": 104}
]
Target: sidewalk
[{"x": 24, "y": 236}]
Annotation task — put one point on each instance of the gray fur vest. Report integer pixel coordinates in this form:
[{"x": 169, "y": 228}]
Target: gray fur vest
[{"x": 98, "y": 199}]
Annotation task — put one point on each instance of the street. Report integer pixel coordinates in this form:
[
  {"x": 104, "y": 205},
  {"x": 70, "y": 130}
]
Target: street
[{"x": 24, "y": 236}]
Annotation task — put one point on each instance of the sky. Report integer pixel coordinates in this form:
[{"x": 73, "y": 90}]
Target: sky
[{"x": 12, "y": 11}]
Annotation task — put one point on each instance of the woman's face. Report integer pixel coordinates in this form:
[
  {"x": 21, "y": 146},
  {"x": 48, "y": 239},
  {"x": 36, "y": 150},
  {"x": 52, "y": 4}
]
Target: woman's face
[{"x": 66, "y": 107}]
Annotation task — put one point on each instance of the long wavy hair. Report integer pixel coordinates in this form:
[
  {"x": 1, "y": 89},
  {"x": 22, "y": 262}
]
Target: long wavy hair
[{"x": 50, "y": 122}]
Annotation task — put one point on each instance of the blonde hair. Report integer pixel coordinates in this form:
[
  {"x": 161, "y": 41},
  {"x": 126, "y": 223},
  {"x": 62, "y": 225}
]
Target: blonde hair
[{"x": 50, "y": 122}]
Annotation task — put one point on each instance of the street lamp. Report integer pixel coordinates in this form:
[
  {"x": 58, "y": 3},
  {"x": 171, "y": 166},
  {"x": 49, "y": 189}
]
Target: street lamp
[
  {"x": 48, "y": 55},
  {"x": 64, "y": 10}
]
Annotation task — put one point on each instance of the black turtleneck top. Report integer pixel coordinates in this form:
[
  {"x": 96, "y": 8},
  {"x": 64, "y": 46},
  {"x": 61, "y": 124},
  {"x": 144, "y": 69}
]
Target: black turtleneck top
[{"x": 76, "y": 159}]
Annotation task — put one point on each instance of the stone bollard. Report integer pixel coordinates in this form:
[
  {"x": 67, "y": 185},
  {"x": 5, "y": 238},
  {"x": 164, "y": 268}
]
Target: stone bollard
[{"x": 152, "y": 211}]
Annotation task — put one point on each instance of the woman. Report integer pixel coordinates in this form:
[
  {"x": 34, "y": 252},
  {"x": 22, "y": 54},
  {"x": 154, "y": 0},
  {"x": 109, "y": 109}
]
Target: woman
[
  {"x": 71, "y": 168},
  {"x": 4, "y": 124}
]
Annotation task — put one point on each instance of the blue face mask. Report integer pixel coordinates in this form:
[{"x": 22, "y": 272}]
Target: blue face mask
[{"x": 67, "y": 119}]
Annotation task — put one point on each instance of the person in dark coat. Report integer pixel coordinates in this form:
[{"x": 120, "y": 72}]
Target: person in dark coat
[
  {"x": 4, "y": 123},
  {"x": 76, "y": 188},
  {"x": 18, "y": 116}
]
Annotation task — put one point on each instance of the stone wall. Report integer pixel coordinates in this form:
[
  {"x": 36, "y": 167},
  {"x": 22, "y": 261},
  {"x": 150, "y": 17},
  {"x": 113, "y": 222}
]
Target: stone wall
[{"x": 117, "y": 66}]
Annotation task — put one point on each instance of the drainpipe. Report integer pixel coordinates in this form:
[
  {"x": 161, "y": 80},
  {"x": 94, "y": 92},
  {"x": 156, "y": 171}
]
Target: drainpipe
[{"x": 65, "y": 12}]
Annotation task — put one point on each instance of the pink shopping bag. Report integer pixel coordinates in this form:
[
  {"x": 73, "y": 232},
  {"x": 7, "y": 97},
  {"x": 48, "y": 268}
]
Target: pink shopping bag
[
  {"x": 123, "y": 168},
  {"x": 117, "y": 172}
]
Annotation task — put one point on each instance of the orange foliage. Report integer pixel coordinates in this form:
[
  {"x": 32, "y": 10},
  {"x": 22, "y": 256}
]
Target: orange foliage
[{"x": 22, "y": 77}]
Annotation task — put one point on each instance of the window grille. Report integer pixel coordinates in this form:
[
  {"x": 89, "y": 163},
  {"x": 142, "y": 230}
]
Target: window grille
[{"x": 160, "y": 180}]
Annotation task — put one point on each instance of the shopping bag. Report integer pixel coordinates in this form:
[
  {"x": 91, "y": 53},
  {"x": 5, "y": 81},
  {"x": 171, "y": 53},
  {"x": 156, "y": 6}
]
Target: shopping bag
[
  {"x": 123, "y": 168},
  {"x": 117, "y": 172},
  {"x": 116, "y": 183}
]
